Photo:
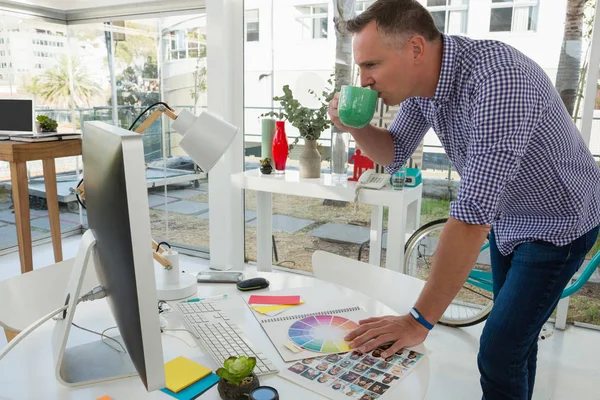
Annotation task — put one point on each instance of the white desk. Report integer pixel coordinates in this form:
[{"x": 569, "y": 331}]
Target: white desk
[
  {"x": 404, "y": 210},
  {"x": 27, "y": 371}
]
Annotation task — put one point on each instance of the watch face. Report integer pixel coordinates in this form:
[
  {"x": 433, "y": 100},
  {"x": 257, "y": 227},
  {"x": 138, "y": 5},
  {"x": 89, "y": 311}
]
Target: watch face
[
  {"x": 414, "y": 313},
  {"x": 408, "y": 180}
]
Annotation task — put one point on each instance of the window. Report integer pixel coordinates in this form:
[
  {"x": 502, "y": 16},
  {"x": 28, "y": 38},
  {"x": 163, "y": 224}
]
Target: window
[
  {"x": 39, "y": 66},
  {"x": 252, "y": 25},
  {"x": 2, "y": 52},
  {"x": 3, "y": 65},
  {"x": 178, "y": 44},
  {"x": 361, "y": 6},
  {"x": 514, "y": 16},
  {"x": 313, "y": 21},
  {"x": 196, "y": 43},
  {"x": 450, "y": 16}
]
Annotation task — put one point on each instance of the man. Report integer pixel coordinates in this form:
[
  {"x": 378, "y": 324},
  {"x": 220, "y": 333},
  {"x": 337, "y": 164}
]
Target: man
[{"x": 527, "y": 180}]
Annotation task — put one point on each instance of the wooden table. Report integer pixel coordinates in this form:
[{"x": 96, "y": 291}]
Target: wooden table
[{"x": 17, "y": 154}]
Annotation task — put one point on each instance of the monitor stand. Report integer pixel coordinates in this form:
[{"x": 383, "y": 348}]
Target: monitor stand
[{"x": 88, "y": 363}]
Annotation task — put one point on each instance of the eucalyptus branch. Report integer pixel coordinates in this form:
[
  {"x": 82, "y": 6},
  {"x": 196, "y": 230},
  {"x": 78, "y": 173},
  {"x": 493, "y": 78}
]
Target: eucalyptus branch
[{"x": 310, "y": 123}]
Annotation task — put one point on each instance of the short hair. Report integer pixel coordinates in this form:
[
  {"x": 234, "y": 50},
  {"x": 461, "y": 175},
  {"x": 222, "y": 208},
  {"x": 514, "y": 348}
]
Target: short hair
[{"x": 397, "y": 18}]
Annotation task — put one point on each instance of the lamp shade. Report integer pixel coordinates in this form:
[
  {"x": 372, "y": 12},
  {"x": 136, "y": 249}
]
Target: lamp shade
[{"x": 205, "y": 137}]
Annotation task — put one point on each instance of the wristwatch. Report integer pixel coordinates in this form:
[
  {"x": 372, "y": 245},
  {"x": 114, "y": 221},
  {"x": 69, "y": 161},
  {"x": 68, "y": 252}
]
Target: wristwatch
[{"x": 417, "y": 315}]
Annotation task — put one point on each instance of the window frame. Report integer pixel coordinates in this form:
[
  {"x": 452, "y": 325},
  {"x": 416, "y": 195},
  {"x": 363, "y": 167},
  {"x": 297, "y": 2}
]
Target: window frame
[
  {"x": 313, "y": 17},
  {"x": 251, "y": 19},
  {"x": 529, "y": 4},
  {"x": 365, "y": 3},
  {"x": 452, "y": 7}
]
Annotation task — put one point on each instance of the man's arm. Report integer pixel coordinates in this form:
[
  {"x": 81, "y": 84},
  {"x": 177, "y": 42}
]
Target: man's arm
[
  {"x": 376, "y": 142},
  {"x": 387, "y": 147},
  {"x": 455, "y": 256},
  {"x": 459, "y": 246}
]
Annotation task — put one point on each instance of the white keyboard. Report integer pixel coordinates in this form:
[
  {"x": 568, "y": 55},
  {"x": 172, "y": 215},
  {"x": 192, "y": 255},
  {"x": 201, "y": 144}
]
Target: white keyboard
[{"x": 220, "y": 337}]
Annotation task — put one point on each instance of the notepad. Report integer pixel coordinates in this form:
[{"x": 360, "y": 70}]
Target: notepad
[
  {"x": 288, "y": 300},
  {"x": 182, "y": 372},
  {"x": 317, "y": 327},
  {"x": 195, "y": 389}
]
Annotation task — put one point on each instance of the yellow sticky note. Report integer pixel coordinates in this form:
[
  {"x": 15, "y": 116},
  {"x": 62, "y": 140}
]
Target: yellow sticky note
[
  {"x": 182, "y": 372},
  {"x": 268, "y": 309}
]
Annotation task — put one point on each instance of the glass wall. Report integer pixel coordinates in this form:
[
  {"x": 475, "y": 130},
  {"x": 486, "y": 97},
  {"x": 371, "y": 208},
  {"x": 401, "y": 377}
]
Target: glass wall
[
  {"x": 35, "y": 62},
  {"x": 297, "y": 46},
  {"x": 183, "y": 59},
  {"x": 114, "y": 71}
]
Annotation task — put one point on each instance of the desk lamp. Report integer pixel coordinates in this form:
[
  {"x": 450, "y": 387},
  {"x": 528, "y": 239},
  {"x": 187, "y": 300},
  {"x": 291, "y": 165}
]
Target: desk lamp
[{"x": 205, "y": 139}]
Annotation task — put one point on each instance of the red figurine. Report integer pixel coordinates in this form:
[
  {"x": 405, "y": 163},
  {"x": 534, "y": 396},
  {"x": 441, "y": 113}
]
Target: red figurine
[{"x": 361, "y": 164}]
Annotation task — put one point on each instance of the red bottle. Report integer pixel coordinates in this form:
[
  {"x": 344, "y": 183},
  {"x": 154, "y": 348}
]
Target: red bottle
[{"x": 280, "y": 147}]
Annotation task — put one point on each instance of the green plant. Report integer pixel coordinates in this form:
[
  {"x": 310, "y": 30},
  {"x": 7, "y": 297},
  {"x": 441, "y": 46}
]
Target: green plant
[
  {"x": 236, "y": 369},
  {"x": 47, "y": 124},
  {"x": 309, "y": 122},
  {"x": 265, "y": 162}
]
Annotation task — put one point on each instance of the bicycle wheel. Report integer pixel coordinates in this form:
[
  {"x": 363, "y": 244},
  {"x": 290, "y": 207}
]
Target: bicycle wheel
[{"x": 474, "y": 302}]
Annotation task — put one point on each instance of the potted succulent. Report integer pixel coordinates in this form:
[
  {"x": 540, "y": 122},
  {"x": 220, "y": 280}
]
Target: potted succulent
[
  {"x": 265, "y": 166},
  {"x": 237, "y": 378},
  {"x": 45, "y": 124},
  {"x": 309, "y": 122}
]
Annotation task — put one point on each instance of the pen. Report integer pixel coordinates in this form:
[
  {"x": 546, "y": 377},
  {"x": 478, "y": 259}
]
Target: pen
[{"x": 197, "y": 299}]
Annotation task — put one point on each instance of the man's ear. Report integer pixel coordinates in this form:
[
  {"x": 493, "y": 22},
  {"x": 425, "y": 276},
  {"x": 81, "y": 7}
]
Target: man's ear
[{"x": 417, "y": 47}]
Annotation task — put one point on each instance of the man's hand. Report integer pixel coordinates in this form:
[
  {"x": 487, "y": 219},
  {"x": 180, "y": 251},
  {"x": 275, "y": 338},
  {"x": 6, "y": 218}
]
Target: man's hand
[
  {"x": 333, "y": 113},
  {"x": 403, "y": 331}
]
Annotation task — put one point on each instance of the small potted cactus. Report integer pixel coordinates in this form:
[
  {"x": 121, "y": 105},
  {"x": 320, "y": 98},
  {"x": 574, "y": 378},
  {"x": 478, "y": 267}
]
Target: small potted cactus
[
  {"x": 265, "y": 166},
  {"x": 237, "y": 378}
]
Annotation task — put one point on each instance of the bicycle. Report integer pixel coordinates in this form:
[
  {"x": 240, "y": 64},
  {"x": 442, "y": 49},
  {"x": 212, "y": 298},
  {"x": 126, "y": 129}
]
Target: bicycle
[{"x": 474, "y": 302}]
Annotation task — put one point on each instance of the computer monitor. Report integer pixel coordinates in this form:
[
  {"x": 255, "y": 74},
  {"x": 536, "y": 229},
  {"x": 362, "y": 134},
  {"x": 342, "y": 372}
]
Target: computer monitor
[
  {"x": 119, "y": 240},
  {"x": 16, "y": 116}
]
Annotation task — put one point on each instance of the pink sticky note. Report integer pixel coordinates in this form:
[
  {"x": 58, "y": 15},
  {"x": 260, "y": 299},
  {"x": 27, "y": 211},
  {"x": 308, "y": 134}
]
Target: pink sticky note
[{"x": 274, "y": 300}]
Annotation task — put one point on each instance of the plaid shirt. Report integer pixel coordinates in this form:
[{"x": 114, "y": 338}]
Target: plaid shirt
[{"x": 524, "y": 167}]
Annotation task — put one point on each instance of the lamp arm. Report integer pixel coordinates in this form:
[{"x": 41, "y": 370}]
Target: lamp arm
[{"x": 140, "y": 129}]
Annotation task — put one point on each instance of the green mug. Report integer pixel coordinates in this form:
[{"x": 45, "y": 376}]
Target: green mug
[{"x": 356, "y": 106}]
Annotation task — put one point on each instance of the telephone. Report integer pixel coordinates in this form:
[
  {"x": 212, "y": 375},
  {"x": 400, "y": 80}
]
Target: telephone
[{"x": 371, "y": 180}]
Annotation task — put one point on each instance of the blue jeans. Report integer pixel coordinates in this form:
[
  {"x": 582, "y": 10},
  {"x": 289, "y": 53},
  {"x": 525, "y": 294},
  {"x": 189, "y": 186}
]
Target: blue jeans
[{"x": 527, "y": 286}]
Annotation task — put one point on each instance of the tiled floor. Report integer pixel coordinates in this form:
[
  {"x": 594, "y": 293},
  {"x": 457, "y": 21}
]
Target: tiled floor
[{"x": 568, "y": 362}]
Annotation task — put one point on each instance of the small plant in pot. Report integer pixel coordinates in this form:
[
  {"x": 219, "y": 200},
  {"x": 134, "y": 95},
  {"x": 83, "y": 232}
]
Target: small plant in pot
[
  {"x": 310, "y": 124},
  {"x": 265, "y": 166},
  {"x": 46, "y": 124},
  {"x": 237, "y": 378}
]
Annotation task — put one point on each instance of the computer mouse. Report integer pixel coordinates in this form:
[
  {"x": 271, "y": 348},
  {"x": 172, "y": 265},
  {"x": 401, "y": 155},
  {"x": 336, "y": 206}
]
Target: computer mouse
[{"x": 252, "y": 284}]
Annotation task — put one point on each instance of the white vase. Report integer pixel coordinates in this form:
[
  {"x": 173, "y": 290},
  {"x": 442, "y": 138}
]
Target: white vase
[{"x": 310, "y": 160}]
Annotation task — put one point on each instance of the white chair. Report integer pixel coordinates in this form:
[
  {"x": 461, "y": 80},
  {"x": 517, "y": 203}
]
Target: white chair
[
  {"x": 396, "y": 290},
  {"x": 28, "y": 297}
]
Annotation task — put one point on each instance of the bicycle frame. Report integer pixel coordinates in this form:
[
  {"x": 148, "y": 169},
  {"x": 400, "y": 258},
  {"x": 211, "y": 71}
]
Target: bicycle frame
[{"x": 484, "y": 280}]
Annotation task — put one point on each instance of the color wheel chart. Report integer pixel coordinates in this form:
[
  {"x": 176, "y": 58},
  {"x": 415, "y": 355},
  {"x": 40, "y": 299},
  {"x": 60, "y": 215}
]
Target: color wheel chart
[{"x": 322, "y": 333}]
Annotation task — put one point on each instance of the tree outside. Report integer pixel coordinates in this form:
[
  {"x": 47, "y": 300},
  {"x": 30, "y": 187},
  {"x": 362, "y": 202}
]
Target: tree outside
[
  {"x": 53, "y": 87},
  {"x": 572, "y": 65}
]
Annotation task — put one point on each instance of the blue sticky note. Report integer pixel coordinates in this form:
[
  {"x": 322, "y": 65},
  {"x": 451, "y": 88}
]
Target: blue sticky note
[{"x": 195, "y": 389}]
